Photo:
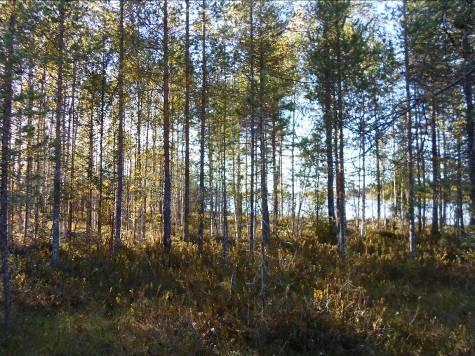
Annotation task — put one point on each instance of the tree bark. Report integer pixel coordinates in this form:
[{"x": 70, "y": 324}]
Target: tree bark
[
  {"x": 467, "y": 91},
  {"x": 5, "y": 161},
  {"x": 435, "y": 173},
  {"x": 57, "y": 141},
  {"x": 262, "y": 138},
  {"x": 327, "y": 117},
  {"x": 363, "y": 190},
  {"x": 292, "y": 169},
  {"x": 101, "y": 143},
  {"x": 252, "y": 114},
  {"x": 29, "y": 159},
  {"x": 459, "y": 217},
  {"x": 120, "y": 137},
  {"x": 90, "y": 165},
  {"x": 275, "y": 177},
  {"x": 378, "y": 177},
  {"x": 166, "y": 135},
  {"x": 73, "y": 155},
  {"x": 202, "y": 127},
  {"x": 341, "y": 169},
  {"x": 225, "y": 200},
  {"x": 410, "y": 163},
  {"x": 186, "y": 203}
]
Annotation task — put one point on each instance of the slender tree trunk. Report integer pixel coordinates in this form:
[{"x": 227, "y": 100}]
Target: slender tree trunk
[
  {"x": 467, "y": 91},
  {"x": 262, "y": 138},
  {"x": 443, "y": 191},
  {"x": 435, "y": 172},
  {"x": 329, "y": 153},
  {"x": 275, "y": 177},
  {"x": 341, "y": 170},
  {"x": 238, "y": 186},
  {"x": 73, "y": 155},
  {"x": 363, "y": 192},
  {"x": 394, "y": 201},
  {"x": 341, "y": 192},
  {"x": 252, "y": 114},
  {"x": 138, "y": 167},
  {"x": 5, "y": 162},
  {"x": 38, "y": 169},
  {"x": 202, "y": 126},
  {"x": 29, "y": 159},
  {"x": 460, "y": 224},
  {"x": 57, "y": 143},
  {"x": 120, "y": 137},
  {"x": 316, "y": 190},
  {"x": 225, "y": 201},
  {"x": 90, "y": 173},
  {"x": 265, "y": 233},
  {"x": 419, "y": 153},
  {"x": 281, "y": 172},
  {"x": 101, "y": 143},
  {"x": 410, "y": 163},
  {"x": 213, "y": 189},
  {"x": 337, "y": 171},
  {"x": 292, "y": 169},
  {"x": 422, "y": 166},
  {"x": 145, "y": 180},
  {"x": 166, "y": 135},
  {"x": 378, "y": 178},
  {"x": 186, "y": 203}
]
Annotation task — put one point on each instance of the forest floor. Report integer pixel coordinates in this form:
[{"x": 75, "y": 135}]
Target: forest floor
[{"x": 147, "y": 302}]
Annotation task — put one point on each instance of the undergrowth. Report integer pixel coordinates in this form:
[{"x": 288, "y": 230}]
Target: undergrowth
[{"x": 146, "y": 301}]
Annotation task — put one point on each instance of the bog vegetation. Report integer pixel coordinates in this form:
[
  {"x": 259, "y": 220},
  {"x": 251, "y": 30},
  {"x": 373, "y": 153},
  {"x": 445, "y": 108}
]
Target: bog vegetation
[{"x": 237, "y": 177}]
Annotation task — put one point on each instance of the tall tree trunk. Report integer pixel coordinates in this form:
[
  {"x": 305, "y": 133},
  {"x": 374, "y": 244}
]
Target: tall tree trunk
[
  {"x": 459, "y": 218},
  {"x": 410, "y": 163},
  {"x": 166, "y": 135},
  {"x": 120, "y": 137},
  {"x": 213, "y": 190},
  {"x": 145, "y": 180},
  {"x": 29, "y": 159},
  {"x": 262, "y": 138},
  {"x": 444, "y": 191},
  {"x": 394, "y": 187},
  {"x": 252, "y": 114},
  {"x": 292, "y": 169},
  {"x": 341, "y": 170},
  {"x": 57, "y": 142},
  {"x": 467, "y": 91},
  {"x": 363, "y": 190},
  {"x": 419, "y": 154},
  {"x": 225, "y": 201},
  {"x": 38, "y": 168},
  {"x": 378, "y": 177},
  {"x": 435, "y": 173},
  {"x": 5, "y": 163},
  {"x": 238, "y": 186},
  {"x": 265, "y": 233},
  {"x": 90, "y": 173},
  {"x": 138, "y": 166},
  {"x": 275, "y": 176},
  {"x": 202, "y": 126},
  {"x": 337, "y": 169},
  {"x": 73, "y": 155},
  {"x": 327, "y": 117},
  {"x": 101, "y": 142},
  {"x": 186, "y": 203}
]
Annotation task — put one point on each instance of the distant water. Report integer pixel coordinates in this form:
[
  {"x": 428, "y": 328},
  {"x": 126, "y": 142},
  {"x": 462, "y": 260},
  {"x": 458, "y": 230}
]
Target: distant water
[{"x": 386, "y": 207}]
